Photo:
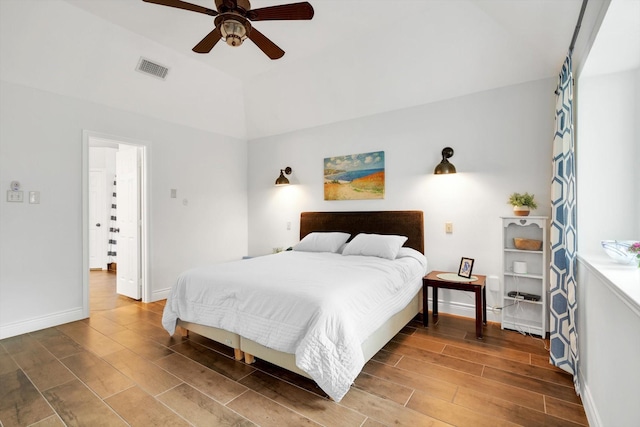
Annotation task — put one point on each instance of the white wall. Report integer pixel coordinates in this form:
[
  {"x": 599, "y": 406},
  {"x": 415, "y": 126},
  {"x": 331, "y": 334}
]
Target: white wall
[
  {"x": 608, "y": 208},
  {"x": 41, "y": 245},
  {"x": 502, "y": 140},
  {"x": 609, "y": 344},
  {"x": 607, "y": 152}
]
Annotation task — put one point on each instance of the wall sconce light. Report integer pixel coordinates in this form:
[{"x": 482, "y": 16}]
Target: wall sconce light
[
  {"x": 444, "y": 166},
  {"x": 282, "y": 180}
]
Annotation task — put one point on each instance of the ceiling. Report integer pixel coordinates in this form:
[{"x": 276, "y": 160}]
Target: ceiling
[
  {"x": 540, "y": 28},
  {"x": 354, "y": 58}
]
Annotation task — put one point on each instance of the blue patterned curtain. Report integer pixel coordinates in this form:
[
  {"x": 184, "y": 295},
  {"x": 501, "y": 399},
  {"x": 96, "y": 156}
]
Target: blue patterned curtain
[{"x": 562, "y": 277}]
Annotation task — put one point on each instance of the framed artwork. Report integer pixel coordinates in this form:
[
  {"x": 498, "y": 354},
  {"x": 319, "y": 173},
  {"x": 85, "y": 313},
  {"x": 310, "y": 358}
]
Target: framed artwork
[
  {"x": 466, "y": 266},
  {"x": 354, "y": 176}
]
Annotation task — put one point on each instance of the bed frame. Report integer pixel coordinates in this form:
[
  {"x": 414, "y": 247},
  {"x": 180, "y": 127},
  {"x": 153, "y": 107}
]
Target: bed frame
[{"x": 405, "y": 223}]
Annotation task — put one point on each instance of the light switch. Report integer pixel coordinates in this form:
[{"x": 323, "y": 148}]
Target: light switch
[
  {"x": 448, "y": 227},
  {"x": 34, "y": 197},
  {"x": 174, "y": 193}
]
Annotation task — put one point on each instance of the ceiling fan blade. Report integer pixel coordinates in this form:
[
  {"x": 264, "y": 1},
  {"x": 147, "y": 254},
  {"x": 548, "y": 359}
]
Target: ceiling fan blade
[
  {"x": 231, "y": 4},
  {"x": 184, "y": 5},
  {"x": 208, "y": 42},
  {"x": 285, "y": 12},
  {"x": 267, "y": 46}
]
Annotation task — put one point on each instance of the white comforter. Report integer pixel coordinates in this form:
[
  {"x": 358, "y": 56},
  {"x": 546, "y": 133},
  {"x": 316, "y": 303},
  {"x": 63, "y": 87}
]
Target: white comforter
[{"x": 318, "y": 306}]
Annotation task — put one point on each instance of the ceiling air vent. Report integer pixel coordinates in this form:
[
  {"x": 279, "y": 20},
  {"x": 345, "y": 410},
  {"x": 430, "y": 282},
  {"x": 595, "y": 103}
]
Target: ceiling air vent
[{"x": 151, "y": 68}]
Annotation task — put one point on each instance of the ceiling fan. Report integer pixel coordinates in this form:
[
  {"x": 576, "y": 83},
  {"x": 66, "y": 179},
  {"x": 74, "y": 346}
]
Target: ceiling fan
[{"x": 232, "y": 22}]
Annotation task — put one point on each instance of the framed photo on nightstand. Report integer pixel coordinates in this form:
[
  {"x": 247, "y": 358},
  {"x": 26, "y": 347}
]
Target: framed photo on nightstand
[{"x": 466, "y": 266}]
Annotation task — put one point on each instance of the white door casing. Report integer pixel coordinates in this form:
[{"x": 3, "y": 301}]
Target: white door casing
[{"x": 128, "y": 221}]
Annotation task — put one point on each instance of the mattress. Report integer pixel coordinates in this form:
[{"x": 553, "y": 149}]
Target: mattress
[{"x": 318, "y": 306}]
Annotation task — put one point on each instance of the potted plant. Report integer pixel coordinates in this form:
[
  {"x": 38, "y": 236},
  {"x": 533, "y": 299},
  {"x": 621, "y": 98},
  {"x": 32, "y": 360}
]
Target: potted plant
[
  {"x": 522, "y": 203},
  {"x": 635, "y": 249}
]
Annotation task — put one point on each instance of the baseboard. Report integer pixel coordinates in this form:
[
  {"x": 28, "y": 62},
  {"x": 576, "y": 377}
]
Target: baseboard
[
  {"x": 160, "y": 295},
  {"x": 588, "y": 403},
  {"x": 42, "y": 322}
]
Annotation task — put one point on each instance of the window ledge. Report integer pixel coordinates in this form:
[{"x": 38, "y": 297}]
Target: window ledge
[{"x": 623, "y": 280}]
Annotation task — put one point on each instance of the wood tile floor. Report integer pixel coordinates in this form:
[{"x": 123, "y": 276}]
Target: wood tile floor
[{"x": 121, "y": 368}]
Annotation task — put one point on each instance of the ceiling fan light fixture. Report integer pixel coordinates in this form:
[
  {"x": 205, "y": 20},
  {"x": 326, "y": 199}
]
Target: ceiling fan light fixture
[{"x": 234, "y": 32}]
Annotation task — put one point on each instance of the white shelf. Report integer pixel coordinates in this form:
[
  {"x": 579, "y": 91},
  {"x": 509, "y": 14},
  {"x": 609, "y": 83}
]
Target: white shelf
[
  {"x": 523, "y": 276},
  {"x": 522, "y": 251},
  {"x": 520, "y": 314},
  {"x": 530, "y": 327},
  {"x": 526, "y": 301}
]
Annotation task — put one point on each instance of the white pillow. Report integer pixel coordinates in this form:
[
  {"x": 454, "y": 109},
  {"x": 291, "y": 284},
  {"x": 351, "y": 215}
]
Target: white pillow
[
  {"x": 322, "y": 242},
  {"x": 380, "y": 245}
]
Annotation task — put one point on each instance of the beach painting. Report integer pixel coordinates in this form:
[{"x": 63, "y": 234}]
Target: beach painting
[{"x": 354, "y": 177}]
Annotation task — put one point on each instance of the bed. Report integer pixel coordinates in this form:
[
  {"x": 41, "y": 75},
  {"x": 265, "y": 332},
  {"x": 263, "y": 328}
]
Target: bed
[{"x": 314, "y": 319}]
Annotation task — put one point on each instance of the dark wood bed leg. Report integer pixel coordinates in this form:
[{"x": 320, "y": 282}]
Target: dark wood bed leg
[
  {"x": 249, "y": 358},
  {"x": 238, "y": 354},
  {"x": 185, "y": 332}
]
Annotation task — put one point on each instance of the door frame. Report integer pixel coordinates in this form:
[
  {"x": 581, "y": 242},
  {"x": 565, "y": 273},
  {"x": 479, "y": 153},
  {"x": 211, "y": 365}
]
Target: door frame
[{"x": 90, "y": 138}]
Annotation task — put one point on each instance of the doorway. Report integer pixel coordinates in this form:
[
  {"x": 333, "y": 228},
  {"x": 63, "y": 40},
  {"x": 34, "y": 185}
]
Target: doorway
[
  {"x": 115, "y": 214},
  {"x": 102, "y": 292}
]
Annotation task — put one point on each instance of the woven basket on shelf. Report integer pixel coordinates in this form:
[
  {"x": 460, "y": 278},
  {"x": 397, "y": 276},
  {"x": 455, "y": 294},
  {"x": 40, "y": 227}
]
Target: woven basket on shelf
[{"x": 527, "y": 244}]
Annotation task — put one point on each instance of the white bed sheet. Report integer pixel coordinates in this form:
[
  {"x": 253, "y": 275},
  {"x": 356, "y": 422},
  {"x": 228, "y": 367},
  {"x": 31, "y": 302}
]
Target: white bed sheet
[{"x": 318, "y": 306}]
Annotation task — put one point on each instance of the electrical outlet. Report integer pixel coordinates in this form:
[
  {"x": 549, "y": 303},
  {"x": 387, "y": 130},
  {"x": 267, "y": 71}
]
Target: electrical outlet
[
  {"x": 15, "y": 196},
  {"x": 288, "y": 225},
  {"x": 493, "y": 283},
  {"x": 448, "y": 227}
]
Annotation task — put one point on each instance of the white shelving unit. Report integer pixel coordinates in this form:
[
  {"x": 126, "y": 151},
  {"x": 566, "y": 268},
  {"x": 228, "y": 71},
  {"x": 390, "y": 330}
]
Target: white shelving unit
[{"x": 521, "y": 314}]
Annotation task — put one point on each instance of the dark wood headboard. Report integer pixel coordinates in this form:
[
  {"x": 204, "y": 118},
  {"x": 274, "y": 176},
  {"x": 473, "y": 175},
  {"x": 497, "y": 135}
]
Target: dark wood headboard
[{"x": 403, "y": 223}]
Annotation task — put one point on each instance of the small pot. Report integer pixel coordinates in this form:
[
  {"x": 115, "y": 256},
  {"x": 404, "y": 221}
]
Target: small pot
[{"x": 521, "y": 210}]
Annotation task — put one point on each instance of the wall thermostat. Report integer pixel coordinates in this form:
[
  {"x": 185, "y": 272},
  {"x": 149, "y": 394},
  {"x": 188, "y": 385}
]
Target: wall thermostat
[{"x": 15, "y": 185}]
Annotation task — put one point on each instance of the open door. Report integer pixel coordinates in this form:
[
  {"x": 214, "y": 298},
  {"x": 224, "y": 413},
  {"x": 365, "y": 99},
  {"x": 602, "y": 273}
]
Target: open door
[
  {"x": 129, "y": 221},
  {"x": 97, "y": 217}
]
